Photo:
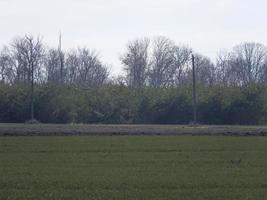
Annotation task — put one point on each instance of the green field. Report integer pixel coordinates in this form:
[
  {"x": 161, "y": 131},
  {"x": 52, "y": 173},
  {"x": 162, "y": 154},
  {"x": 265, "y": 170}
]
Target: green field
[{"x": 132, "y": 167}]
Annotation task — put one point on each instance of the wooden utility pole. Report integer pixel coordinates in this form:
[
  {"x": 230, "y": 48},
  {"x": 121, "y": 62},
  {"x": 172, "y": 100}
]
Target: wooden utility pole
[
  {"x": 32, "y": 91},
  {"x": 194, "y": 91}
]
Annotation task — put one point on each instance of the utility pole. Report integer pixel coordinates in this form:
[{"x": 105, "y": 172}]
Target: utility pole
[
  {"x": 194, "y": 91},
  {"x": 32, "y": 91}
]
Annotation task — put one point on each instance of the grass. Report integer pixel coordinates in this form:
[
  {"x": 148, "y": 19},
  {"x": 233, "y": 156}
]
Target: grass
[{"x": 132, "y": 167}]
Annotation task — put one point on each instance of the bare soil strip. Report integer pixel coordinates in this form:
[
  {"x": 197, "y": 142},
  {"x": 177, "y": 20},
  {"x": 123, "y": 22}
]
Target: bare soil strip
[{"x": 110, "y": 130}]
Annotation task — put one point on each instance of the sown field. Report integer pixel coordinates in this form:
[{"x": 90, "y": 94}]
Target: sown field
[{"x": 133, "y": 167}]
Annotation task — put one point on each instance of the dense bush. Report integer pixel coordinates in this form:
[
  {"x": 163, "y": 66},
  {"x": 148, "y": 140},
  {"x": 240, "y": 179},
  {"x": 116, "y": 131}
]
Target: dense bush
[
  {"x": 14, "y": 103},
  {"x": 121, "y": 104}
]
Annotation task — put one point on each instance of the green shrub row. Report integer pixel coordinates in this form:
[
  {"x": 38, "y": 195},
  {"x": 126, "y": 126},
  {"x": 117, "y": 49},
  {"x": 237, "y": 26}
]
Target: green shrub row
[{"x": 114, "y": 104}]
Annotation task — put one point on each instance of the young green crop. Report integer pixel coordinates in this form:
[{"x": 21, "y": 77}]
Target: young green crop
[{"x": 127, "y": 167}]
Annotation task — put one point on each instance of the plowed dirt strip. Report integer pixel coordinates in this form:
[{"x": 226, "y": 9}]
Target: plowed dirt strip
[{"x": 109, "y": 130}]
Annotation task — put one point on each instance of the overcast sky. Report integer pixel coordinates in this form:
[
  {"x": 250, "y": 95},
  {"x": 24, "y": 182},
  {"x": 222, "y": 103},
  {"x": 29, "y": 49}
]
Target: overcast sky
[{"x": 207, "y": 26}]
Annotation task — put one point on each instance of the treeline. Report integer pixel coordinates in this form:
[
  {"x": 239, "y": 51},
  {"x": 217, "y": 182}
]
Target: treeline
[
  {"x": 157, "y": 62},
  {"x": 76, "y": 86},
  {"x": 121, "y": 104}
]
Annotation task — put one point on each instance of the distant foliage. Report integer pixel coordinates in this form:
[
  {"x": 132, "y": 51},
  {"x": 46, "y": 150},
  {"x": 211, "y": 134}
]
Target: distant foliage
[
  {"x": 115, "y": 104},
  {"x": 75, "y": 86}
]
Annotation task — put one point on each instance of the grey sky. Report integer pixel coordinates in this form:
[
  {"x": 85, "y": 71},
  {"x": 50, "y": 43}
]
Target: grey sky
[{"x": 208, "y": 26}]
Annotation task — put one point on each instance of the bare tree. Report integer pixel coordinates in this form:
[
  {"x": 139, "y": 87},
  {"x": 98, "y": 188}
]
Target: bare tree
[
  {"x": 167, "y": 63},
  {"x": 264, "y": 74},
  {"x": 136, "y": 62},
  {"x": 206, "y": 71},
  {"x": 72, "y": 63},
  {"x": 6, "y": 64},
  {"x": 91, "y": 70},
  {"x": 250, "y": 61},
  {"x": 52, "y": 65},
  {"x": 246, "y": 64},
  {"x": 223, "y": 74},
  {"x": 85, "y": 68},
  {"x": 28, "y": 55},
  {"x": 162, "y": 68},
  {"x": 55, "y": 65},
  {"x": 3, "y": 67},
  {"x": 182, "y": 60}
]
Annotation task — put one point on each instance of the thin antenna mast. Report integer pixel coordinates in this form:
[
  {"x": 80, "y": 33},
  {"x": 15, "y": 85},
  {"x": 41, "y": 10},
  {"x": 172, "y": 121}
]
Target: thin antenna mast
[{"x": 60, "y": 58}]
